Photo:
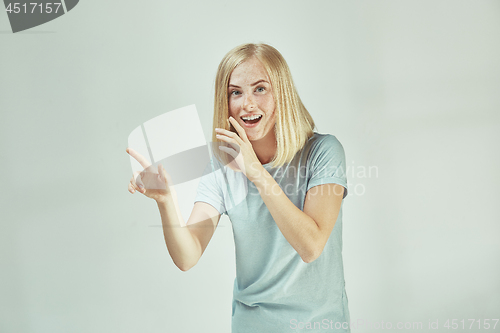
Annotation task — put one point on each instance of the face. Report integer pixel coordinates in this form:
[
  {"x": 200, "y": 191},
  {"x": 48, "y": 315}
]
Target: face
[{"x": 250, "y": 95}]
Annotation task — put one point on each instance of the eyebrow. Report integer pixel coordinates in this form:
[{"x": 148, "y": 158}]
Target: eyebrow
[{"x": 253, "y": 84}]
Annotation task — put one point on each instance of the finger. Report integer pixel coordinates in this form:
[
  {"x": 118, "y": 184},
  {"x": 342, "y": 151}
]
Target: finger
[
  {"x": 221, "y": 133},
  {"x": 237, "y": 127},
  {"x": 139, "y": 158},
  {"x": 133, "y": 181},
  {"x": 134, "y": 187},
  {"x": 235, "y": 146},
  {"x": 230, "y": 151},
  {"x": 229, "y": 143},
  {"x": 226, "y": 132},
  {"x": 135, "y": 176},
  {"x": 131, "y": 188},
  {"x": 236, "y": 135},
  {"x": 140, "y": 185},
  {"x": 230, "y": 134},
  {"x": 137, "y": 182},
  {"x": 228, "y": 139}
]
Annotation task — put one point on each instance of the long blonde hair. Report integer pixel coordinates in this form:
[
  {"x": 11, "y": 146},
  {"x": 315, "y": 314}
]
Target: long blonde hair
[{"x": 294, "y": 125}]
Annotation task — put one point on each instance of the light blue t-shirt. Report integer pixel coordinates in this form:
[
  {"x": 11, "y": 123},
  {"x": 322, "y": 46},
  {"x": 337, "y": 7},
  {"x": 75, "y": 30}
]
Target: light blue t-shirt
[{"x": 274, "y": 290}]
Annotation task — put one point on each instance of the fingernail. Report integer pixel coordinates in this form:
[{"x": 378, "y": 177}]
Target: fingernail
[{"x": 141, "y": 187}]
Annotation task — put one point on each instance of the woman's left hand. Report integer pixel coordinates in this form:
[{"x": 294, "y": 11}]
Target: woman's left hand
[{"x": 245, "y": 158}]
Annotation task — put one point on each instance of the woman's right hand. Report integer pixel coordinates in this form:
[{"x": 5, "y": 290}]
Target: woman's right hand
[{"x": 152, "y": 182}]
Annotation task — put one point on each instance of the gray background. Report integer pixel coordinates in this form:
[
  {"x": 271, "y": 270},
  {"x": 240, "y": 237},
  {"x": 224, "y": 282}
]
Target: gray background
[{"x": 410, "y": 87}]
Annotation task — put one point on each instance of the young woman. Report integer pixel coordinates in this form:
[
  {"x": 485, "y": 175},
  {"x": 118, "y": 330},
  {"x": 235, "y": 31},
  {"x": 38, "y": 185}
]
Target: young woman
[{"x": 282, "y": 186}]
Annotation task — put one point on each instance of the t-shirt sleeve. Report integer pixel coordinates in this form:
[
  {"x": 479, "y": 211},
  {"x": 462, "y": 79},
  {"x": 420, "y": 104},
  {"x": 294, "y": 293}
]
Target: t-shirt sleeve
[
  {"x": 209, "y": 188},
  {"x": 327, "y": 163}
]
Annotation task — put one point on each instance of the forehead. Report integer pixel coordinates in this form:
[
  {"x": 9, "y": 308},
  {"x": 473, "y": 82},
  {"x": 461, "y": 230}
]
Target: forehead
[{"x": 249, "y": 72}]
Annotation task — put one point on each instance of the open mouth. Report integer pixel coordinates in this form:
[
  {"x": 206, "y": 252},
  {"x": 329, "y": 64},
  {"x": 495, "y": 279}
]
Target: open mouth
[{"x": 251, "y": 120}]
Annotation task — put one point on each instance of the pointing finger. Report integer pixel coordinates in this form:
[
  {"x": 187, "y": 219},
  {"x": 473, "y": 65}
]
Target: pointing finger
[
  {"x": 238, "y": 128},
  {"x": 139, "y": 158}
]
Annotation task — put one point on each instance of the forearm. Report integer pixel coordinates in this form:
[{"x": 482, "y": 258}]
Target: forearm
[
  {"x": 299, "y": 229},
  {"x": 181, "y": 244}
]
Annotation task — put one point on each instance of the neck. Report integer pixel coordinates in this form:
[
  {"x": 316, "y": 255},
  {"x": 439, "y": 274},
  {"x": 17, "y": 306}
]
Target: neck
[{"x": 265, "y": 148}]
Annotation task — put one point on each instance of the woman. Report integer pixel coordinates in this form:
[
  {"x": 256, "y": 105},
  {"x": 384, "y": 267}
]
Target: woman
[{"x": 282, "y": 186}]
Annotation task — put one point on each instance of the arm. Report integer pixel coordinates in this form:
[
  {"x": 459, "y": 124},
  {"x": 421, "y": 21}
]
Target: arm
[
  {"x": 307, "y": 231},
  {"x": 186, "y": 244}
]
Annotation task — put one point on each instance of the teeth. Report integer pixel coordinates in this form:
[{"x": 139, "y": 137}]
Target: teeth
[{"x": 251, "y": 117}]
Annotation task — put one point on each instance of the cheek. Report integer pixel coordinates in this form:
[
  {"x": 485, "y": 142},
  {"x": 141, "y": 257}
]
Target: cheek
[
  {"x": 267, "y": 103},
  {"x": 233, "y": 107},
  {"x": 271, "y": 107},
  {"x": 273, "y": 116}
]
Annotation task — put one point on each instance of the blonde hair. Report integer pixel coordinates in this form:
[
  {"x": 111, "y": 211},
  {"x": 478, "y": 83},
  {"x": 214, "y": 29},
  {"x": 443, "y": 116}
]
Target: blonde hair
[{"x": 294, "y": 125}]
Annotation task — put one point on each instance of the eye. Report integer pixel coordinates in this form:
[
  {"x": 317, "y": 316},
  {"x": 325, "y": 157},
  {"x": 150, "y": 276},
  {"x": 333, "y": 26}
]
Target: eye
[
  {"x": 260, "y": 89},
  {"x": 235, "y": 92}
]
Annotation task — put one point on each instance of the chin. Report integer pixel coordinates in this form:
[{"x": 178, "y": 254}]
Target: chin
[{"x": 253, "y": 137}]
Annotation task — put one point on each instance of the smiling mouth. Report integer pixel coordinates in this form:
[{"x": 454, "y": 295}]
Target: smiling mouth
[{"x": 253, "y": 121}]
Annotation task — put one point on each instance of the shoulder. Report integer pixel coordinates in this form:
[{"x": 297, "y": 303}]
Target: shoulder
[{"x": 320, "y": 143}]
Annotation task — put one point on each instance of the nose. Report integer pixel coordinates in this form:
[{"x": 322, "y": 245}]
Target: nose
[{"x": 249, "y": 102}]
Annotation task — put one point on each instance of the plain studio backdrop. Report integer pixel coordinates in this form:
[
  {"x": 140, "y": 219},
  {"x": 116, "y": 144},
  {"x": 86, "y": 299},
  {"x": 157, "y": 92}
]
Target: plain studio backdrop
[{"x": 410, "y": 88}]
